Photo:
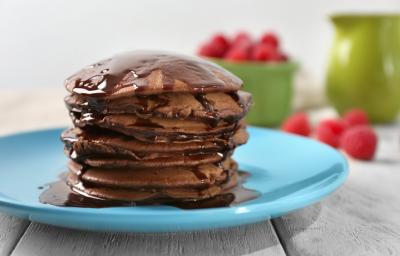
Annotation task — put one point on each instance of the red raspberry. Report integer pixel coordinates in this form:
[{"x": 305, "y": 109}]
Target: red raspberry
[
  {"x": 277, "y": 57},
  {"x": 242, "y": 38},
  {"x": 329, "y": 131},
  {"x": 297, "y": 124},
  {"x": 283, "y": 57},
  {"x": 263, "y": 52},
  {"x": 211, "y": 50},
  {"x": 222, "y": 42},
  {"x": 356, "y": 117},
  {"x": 270, "y": 39},
  {"x": 237, "y": 54},
  {"x": 359, "y": 142}
]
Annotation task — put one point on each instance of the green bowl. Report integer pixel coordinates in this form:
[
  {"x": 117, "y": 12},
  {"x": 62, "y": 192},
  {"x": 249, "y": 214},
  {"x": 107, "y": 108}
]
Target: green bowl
[{"x": 271, "y": 85}]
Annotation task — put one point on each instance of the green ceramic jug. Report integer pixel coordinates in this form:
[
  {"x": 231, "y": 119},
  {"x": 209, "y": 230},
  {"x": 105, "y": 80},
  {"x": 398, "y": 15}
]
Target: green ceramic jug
[{"x": 364, "y": 66}]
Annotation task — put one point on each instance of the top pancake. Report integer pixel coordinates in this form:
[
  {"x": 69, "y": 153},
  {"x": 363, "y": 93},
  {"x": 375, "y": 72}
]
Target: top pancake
[{"x": 151, "y": 72}]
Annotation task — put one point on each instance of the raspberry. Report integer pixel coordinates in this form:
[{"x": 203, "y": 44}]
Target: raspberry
[
  {"x": 356, "y": 117},
  {"x": 329, "y": 131},
  {"x": 283, "y": 57},
  {"x": 297, "y": 124},
  {"x": 277, "y": 56},
  {"x": 222, "y": 42},
  {"x": 237, "y": 54},
  {"x": 270, "y": 39},
  {"x": 263, "y": 52},
  {"x": 242, "y": 38},
  {"x": 211, "y": 50},
  {"x": 359, "y": 142}
]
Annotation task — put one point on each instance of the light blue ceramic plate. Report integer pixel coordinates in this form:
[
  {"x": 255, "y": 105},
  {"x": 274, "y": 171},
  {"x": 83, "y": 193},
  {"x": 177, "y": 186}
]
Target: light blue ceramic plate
[{"x": 289, "y": 171}]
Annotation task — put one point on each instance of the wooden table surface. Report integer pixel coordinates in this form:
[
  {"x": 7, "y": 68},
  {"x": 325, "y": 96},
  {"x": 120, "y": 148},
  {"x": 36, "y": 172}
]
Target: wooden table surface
[{"x": 361, "y": 218}]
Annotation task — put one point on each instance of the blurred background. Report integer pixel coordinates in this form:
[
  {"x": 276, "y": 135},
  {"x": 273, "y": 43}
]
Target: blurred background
[{"x": 42, "y": 42}]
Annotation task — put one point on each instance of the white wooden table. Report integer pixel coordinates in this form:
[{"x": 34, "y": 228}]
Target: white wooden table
[{"x": 361, "y": 218}]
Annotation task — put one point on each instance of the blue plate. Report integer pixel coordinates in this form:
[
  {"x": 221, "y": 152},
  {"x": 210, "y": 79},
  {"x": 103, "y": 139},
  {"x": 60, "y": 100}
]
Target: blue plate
[{"x": 289, "y": 171}]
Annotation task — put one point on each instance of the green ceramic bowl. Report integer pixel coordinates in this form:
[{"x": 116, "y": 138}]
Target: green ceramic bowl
[{"x": 271, "y": 86}]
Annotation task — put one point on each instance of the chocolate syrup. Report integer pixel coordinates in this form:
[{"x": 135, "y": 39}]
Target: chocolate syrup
[
  {"x": 132, "y": 69},
  {"x": 201, "y": 176},
  {"x": 201, "y": 97},
  {"x": 213, "y": 117},
  {"x": 142, "y": 122},
  {"x": 60, "y": 194}
]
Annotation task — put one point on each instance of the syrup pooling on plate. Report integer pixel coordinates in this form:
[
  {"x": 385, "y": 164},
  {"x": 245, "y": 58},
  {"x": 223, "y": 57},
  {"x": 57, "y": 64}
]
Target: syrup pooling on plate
[
  {"x": 60, "y": 194},
  {"x": 132, "y": 69}
]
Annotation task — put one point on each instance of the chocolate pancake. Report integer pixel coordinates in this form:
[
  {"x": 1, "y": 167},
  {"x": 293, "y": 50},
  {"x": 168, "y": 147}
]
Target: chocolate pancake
[
  {"x": 190, "y": 160},
  {"x": 211, "y": 106},
  {"x": 150, "y": 72},
  {"x": 131, "y": 185},
  {"x": 155, "y": 196},
  {"x": 183, "y": 176},
  {"x": 102, "y": 142},
  {"x": 115, "y": 152},
  {"x": 132, "y": 125}
]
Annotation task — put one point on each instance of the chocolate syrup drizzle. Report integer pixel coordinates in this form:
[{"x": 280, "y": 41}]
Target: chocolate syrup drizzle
[
  {"x": 131, "y": 69},
  {"x": 213, "y": 117}
]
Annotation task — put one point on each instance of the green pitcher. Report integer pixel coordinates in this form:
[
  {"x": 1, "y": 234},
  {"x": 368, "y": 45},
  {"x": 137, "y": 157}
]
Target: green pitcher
[{"x": 364, "y": 66}]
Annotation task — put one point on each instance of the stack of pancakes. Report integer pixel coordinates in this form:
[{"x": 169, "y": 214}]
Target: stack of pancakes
[{"x": 154, "y": 127}]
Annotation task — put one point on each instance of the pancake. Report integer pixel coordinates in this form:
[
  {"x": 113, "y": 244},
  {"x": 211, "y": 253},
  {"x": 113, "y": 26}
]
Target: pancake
[
  {"x": 211, "y": 106},
  {"x": 183, "y": 176},
  {"x": 150, "y": 72},
  {"x": 161, "y": 161},
  {"x": 136, "y": 185},
  {"x": 155, "y": 196},
  {"x": 132, "y": 125},
  {"x": 104, "y": 142},
  {"x": 111, "y": 151}
]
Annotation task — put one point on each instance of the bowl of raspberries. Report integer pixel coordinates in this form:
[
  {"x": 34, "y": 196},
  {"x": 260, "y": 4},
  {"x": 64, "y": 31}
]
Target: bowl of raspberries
[{"x": 266, "y": 70}]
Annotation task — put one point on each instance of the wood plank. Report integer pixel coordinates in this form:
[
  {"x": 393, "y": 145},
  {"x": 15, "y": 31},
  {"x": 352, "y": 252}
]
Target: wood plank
[
  {"x": 11, "y": 230},
  {"x": 362, "y": 218},
  {"x": 255, "y": 239}
]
